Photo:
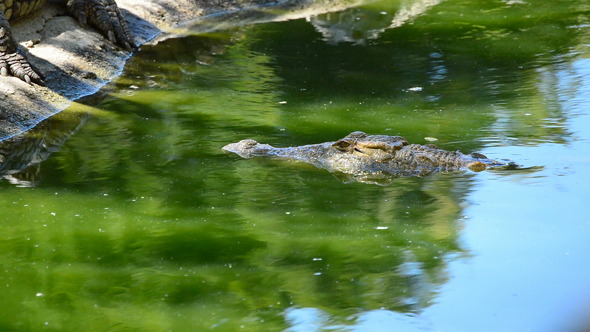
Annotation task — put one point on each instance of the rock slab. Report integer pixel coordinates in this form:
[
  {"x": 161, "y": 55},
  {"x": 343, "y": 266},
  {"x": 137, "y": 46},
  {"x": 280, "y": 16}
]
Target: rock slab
[{"x": 77, "y": 62}]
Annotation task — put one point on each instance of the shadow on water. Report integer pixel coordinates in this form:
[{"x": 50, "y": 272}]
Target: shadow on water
[{"x": 142, "y": 222}]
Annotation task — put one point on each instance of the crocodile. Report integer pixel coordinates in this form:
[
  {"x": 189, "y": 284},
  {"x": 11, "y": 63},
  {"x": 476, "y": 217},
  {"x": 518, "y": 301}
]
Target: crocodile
[
  {"x": 102, "y": 14},
  {"x": 371, "y": 157}
]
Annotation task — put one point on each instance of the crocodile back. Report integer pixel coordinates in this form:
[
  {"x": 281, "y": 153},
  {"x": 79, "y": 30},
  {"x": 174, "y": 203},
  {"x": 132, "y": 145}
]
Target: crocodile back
[{"x": 14, "y": 9}]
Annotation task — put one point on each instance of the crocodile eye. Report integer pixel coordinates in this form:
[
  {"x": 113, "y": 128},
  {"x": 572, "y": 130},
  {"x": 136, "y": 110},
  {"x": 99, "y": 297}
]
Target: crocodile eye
[
  {"x": 478, "y": 156},
  {"x": 249, "y": 143},
  {"x": 342, "y": 145},
  {"x": 357, "y": 134}
]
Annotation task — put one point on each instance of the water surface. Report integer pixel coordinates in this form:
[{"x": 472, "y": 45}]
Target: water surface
[{"x": 123, "y": 213}]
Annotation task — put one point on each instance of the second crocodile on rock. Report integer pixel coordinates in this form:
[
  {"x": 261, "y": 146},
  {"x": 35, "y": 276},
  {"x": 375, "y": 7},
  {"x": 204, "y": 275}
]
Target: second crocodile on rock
[{"x": 369, "y": 158}]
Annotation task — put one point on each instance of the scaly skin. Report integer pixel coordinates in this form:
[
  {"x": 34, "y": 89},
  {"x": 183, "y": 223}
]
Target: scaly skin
[
  {"x": 102, "y": 14},
  {"x": 359, "y": 154}
]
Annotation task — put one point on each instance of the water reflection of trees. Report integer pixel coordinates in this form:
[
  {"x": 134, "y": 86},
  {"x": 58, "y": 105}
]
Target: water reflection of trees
[
  {"x": 462, "y": 58},
  {"x": 383, "y": 248},
  {"x": 161, "y": 231},
  {"x": 254, "y": 251},
  {"x": 184, "y": 230}
]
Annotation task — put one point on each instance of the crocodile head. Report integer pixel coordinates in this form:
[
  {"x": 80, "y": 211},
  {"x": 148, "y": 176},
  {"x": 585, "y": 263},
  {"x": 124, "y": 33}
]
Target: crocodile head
[
  {"x": 248, "y": 148},
  {"x": 377, "y": 147}
]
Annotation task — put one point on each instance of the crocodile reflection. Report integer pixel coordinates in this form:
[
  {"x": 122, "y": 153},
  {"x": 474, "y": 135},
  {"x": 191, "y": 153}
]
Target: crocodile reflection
[
  {"x": 21, "y": 156},
  {"x": 369, "y": 158},
  {"x": 359, "y": 25}
]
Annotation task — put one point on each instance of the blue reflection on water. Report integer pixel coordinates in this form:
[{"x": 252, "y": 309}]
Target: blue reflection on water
[
  {"x": 312, "y": 319},
  {"x": 529, "y": 235},
  {"x": 526, "y": 231}
]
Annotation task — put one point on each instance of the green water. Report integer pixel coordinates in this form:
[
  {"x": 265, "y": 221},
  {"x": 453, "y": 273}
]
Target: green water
[{"x": 137, "y": 221}]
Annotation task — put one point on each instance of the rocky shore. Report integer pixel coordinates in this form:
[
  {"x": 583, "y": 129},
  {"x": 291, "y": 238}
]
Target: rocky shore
[{"x": 77, "y": 62}]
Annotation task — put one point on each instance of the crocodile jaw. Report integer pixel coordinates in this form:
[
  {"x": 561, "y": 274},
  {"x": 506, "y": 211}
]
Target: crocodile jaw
[{"x": 249, "y": 148}]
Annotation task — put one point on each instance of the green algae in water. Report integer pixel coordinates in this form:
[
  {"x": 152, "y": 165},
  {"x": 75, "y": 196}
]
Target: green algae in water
[{"x": 138, "y": 221}]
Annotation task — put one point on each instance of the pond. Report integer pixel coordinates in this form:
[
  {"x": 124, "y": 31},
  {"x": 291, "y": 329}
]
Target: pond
[{"x": 123, "y": 213}]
